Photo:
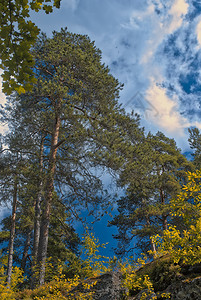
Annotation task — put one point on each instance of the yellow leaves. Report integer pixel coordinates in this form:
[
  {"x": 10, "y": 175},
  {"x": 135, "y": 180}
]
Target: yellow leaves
[
  {"x": 94, "y": 264},
  {"x": 62, "y": 289},
  {"x": 166, "y": 295},
  {"x": 133, "y": 282},
  {"x": 20, "y": 90},
  {"x": 9, "y": 292},
  {"x": 198, "y": 224},
  {"x": 184, "y": 245}
]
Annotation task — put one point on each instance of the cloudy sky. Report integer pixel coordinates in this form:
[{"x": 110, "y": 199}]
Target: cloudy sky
[{"x": 152, "y": 46}]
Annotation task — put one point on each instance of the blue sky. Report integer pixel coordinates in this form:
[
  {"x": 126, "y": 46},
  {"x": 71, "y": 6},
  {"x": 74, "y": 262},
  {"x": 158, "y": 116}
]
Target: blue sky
[{"x": 152, "y": 46}]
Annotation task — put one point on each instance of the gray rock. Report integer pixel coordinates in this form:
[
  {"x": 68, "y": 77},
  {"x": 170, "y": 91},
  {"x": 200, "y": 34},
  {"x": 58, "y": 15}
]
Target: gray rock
[
  {"x": 108, "y": 287},
  {"x": 185, "y": 290}
]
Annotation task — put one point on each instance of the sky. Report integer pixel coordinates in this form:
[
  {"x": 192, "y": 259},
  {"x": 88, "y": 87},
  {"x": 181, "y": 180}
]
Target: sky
[{"x": 152, "y": 46}]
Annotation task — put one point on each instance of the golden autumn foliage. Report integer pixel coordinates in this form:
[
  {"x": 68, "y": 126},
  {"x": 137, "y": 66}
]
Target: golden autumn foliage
[
  {"x": 9, "y": 291},
  {"x": 184, "y": 244}
]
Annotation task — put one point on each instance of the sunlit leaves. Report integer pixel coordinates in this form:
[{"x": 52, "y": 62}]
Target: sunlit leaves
[
  {"x": 184, "y": 244},
  {"x": 17, "y": 35}
]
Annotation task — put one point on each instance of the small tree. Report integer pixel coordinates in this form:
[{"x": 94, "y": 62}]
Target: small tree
[{"x": 183, "y": 243}]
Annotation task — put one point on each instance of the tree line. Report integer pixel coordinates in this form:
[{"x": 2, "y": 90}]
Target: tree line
[{"x": 68, "y": 126}]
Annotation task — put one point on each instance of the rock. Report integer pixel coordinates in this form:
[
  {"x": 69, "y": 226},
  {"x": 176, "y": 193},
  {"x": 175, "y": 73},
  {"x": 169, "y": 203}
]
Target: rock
[
  {"x": 104, "y": 287},
  {"x": 108, "y": 287},
  {"x": 186, "y": 290},
  {"x": 188, "y": 269},
  {"x": 148, "y": 297},
  {"x": 181, "y": 290}
]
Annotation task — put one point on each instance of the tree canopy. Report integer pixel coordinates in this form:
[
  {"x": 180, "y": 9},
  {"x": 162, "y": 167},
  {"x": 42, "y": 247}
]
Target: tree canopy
[{"x": 69, "y": 124}]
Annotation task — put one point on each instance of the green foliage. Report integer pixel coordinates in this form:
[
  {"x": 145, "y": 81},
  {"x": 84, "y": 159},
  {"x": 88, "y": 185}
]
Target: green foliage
[
  {"x": 17, "y": 35},
  {"x": 4, "y": 236},
  {"x": 195, "y": 144},
  {"x": 74, "y": 87},
  {"x": 151, "y": 176}
]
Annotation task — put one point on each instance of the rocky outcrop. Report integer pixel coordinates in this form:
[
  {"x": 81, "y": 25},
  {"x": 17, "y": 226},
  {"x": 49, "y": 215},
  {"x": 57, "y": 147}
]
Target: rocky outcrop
[
  {"x": 108, "y": 287},
  {"x": 186, "y": 290},
  {"x": 103, "y": 287},
  {"x": 181, "y": 290}
]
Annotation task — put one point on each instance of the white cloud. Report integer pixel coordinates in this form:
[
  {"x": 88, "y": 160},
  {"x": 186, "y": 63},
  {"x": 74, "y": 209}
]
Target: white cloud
[
  {"x": 177, "y": 11},
  {"x": 166, "y": 114},
  {"x": 2, "y": 102},
  {"x": 198, "y": 31}
]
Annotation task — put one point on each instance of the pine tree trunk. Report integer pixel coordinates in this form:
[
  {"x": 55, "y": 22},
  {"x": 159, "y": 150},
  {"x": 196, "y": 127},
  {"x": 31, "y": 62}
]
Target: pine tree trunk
[
  {"x": 37, "y": 216},
  {"x": 43, "y": 242},
  {"x": 12, "y": 233},
  {"x": 26, "y": 249},
  {"x": 38, "y": 207},
  {"x": 164, "y": 217},
  {"x": 165, "y": 224},
  {"x": 153, "y": 246}
]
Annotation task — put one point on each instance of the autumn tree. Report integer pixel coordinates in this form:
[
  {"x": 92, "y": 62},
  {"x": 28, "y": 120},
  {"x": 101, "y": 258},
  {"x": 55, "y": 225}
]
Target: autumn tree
[{"x": 183, "y": 243}]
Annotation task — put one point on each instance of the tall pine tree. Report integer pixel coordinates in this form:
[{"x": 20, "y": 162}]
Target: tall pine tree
[{"x": 150, "y": 179}]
